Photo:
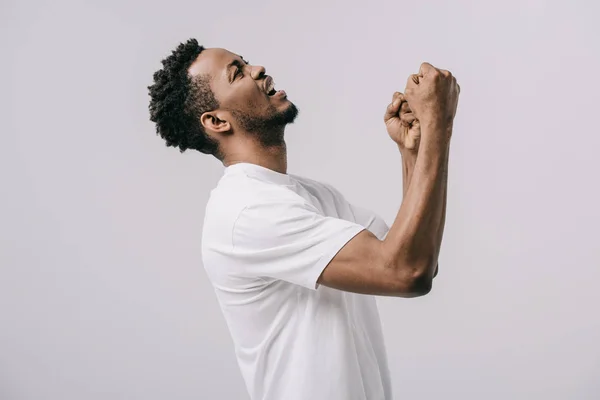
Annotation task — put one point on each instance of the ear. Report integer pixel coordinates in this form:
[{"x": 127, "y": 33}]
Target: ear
[{"x": 215, "y": 122}]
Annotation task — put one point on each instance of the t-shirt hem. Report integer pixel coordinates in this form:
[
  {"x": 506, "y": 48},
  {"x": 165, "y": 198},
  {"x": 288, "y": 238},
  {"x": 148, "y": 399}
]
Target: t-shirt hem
[{"x": 342, "y": 239}]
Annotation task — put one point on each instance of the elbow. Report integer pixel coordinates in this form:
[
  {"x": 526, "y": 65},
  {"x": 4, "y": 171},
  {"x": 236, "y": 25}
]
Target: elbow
[
  {"x": 415, "y": 280},
  {"x": 421, "y": 285}
]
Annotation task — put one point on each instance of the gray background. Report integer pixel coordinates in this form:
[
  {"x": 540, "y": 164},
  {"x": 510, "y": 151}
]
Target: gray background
[{"x": 102, "y": 290}]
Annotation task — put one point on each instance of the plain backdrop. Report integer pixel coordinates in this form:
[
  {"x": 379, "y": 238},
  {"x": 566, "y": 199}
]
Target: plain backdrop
[{"x": 103, "y": 295}]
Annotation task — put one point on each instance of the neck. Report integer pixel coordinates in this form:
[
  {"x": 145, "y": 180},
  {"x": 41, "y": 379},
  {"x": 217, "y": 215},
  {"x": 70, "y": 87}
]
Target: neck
[{"x": 273, "y": 157}]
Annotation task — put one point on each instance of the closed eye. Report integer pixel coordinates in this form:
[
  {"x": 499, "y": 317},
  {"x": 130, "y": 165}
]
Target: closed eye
[
  {"x": 238, "y": 68},
  {"x": 238, "y": 71}
]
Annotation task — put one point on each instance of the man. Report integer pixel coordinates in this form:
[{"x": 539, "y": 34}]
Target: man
[{"x": 294, "y": 265}]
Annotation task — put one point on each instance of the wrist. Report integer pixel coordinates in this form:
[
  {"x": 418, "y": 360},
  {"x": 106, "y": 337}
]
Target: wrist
[
  {"x": 437, "y": 123},
  {"x": 409, "y": 157},
  {"x": 409, "y": 160},
  {"x": 407, "y": 154},
  {"x": 436, "y": 133}
]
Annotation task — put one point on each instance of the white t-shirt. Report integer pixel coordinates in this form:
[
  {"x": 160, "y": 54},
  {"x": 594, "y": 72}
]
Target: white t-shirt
[{"x": 267, "y": 237}]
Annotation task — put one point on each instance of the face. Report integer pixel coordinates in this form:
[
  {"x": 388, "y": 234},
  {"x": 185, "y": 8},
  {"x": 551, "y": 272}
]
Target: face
[{"x": 246, "y": 94}]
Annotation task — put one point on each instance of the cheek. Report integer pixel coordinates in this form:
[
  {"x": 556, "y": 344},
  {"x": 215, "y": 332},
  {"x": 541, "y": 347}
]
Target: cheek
[
  {"x": 247, "y": 98},
  {"x": 256, "y": 102}
]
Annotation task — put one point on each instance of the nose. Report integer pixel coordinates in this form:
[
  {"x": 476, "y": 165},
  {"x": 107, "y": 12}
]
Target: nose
[{"x": 258, "y": 72}]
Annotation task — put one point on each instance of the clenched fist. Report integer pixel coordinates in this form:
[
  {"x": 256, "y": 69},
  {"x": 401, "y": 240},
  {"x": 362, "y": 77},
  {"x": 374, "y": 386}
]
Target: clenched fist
[
  {"x": 401, "y": 124},
  {"x": 433, "y": 96}
]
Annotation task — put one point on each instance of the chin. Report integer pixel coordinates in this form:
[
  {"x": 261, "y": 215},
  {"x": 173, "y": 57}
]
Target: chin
[{"x": 290, "y": 112}]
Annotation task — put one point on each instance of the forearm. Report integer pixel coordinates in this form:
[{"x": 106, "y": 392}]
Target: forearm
[
  {"x": 409, "y": 158},
  {"x": 442, "y": 224},
  {"x": 414, "y": 239}
]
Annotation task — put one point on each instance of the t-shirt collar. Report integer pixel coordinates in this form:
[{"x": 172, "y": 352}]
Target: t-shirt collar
[{"x": 260, "y": 172}]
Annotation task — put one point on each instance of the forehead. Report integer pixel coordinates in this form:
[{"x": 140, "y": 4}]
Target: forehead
[{"x": 212, "y": 62}]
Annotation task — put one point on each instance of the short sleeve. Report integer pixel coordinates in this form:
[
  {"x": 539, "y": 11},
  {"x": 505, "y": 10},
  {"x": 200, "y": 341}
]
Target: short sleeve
[
  {"x": 288, "y": 240},
  {"x": 371, "y": 221},
  {"x": 362, "y": 216}
]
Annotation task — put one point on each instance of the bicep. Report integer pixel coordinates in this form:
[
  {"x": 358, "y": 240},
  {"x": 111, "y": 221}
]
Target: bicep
[
  {"x": 362, "y": 266},
  {"x": 287, "y": 240}
]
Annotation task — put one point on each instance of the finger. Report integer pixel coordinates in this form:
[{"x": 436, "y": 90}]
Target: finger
[
  {"x": 425, "y": 69},
  {"x": 445, "y": 73},
  {"x": 412, "y": 141},
  {"x": 405, "y": 108},
  {"x": 411, "y": 82},
  {"x": 392, "y": 109},
  {"x": 407, "y": 119}
]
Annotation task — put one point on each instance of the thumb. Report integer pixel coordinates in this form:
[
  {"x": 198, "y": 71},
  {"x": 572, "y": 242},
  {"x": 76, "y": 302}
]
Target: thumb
[
  {"x": 394, "y": 107},
  {"x": 407, "y": 118}
]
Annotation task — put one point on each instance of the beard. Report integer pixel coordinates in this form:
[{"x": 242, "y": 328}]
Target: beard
[{"x": 267, "y": 129}]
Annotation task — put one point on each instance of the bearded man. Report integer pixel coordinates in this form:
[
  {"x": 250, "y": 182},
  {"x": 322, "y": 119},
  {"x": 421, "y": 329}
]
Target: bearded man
[{"x": 294, "y": 265}]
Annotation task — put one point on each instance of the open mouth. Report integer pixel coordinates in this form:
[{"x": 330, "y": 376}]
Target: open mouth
[{"x": 270, "y": 87}]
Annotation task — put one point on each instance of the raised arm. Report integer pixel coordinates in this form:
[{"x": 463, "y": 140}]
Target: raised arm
[
  {"x": 405, "y": 129},
  {"x": 404, "y": 263}
]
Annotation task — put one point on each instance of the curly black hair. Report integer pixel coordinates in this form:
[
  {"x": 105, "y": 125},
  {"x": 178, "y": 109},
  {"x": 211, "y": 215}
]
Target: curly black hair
[{"x": 177, "y": 101}]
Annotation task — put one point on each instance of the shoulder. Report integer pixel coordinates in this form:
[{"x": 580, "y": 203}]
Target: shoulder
[
  {"x": 319, "y": 189},
  {"x": 327, "y": 193},
  {"x": 240, "y": 195},
  {"x": 313, "y": 183},
  {"x": 236, "y": 192}
]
